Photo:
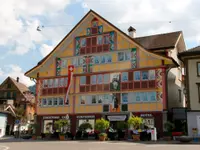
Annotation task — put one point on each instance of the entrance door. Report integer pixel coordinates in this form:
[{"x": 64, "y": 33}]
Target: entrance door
[
  {"x": 198, "y": 124},
  {"x": 7, "y": 129}
]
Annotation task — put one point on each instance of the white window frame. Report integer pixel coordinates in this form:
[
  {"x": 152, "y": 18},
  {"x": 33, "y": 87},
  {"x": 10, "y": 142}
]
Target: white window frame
[
  {"x": 60, "y": 98},
  {"x": 80, "y": 80},
  {"x": 46, "y": 102},
  {"x": 122, "y": 77},
  {"x": 122, "y": 98},
  {"x": 55, "y": 99},
  {"x": 134, "y": 76},
  {"x": 48, "y": 99},
  {"x": 147, "y": 75},
  {"x": 92, "y": 79}
]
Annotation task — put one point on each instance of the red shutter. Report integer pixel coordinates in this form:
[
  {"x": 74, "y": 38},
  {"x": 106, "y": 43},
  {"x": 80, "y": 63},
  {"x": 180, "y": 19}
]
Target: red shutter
[
  {"x": 94, "y": 30},
  {"x": 99, "y": 48},
  {"x": 94, "y": 41},
  {"x": 106, "y": 48},
  {"x": 87, "y": 80},
  {"x": 88, "y": 42},
  {"x": 130, "y": 76}
]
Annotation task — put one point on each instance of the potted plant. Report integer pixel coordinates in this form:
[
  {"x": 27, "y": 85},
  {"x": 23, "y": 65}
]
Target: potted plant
[
  {"x": 83, "y": 127},
  {"x": 101, "y": 125},
  {"x": 121, "y": 127},
  {"x": 168, "y": 130},
  {"x": 60, "y": 124},
  {"x": 32, "y": 128},
  {"x": 135, "y": 122}
]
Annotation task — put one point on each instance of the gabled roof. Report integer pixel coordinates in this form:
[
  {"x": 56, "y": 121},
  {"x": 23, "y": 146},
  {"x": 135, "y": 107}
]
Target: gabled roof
[
  {"x": 159, "y": 41},
  {"x": 190, "y": 52},
  {"x": 91, "y": 11}
]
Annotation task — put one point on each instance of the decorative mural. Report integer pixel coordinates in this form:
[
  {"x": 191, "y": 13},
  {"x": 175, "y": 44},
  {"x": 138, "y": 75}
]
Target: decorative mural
[
  {"x": 159, "y": 84},
  {"x": 78, "y": 46},
  {"x": 115, "y": 82},
  {"x": 39, "y": 90},
  {"x": 58, "y": 66},
  {"x": 100, "y": 29},
  {"x": 112, "y": 39},
  {"x": 133, "y": 58},
  {"x": 87, "y": 65}
]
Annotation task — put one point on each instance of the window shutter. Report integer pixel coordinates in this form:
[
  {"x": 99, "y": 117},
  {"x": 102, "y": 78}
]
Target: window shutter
[
  {"x": 130, "y": 76},
  {"x": 94, "y": 41},
  {"x": 87, "y": 79},
  {"x": 88, "y": 42}
]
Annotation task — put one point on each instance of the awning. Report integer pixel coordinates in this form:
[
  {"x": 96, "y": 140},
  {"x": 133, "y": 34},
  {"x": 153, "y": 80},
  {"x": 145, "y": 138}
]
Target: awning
[{"x": 117, "y": 118}]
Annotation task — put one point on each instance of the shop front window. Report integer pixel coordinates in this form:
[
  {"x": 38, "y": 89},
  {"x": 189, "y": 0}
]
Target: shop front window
[
  {"x": 48, "y": 124},
  {"x": 61, "y": 101}
]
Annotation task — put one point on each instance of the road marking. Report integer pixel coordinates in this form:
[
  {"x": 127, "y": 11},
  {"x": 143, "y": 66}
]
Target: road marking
[{"x": 4, "y": 147}]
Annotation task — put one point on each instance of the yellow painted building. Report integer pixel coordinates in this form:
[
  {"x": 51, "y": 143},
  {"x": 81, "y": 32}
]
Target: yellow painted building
[{"x": 114, "y": 75}]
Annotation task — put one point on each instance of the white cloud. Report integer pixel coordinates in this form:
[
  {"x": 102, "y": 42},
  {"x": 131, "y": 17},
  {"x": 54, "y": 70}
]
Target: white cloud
[
  {"x": 45, "y": 49},
  {"x": 15, "y": 71},
  {"x": 19, "y": 20},
  {"x": 151, "y": 16}
]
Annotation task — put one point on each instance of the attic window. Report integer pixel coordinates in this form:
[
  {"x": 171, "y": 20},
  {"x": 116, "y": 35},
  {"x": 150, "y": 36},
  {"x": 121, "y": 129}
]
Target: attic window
[
  {"x": 9, "y": 85},
  {"x": 94, "y": 26},
  {"x": 94, "y": 22}
]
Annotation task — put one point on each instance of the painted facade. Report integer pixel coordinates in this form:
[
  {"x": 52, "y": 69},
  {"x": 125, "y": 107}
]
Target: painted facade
[{"x": 113, "y": 75}]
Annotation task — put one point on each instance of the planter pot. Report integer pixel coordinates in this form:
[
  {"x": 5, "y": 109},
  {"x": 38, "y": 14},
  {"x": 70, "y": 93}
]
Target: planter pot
[
  {"x": 102, "y": 138},
  {"x": 136, "y": 137},
  {"x": 167, "y": 138},
  {"x": 34, "y": 137},
  {"x": 61, "y": 137}
]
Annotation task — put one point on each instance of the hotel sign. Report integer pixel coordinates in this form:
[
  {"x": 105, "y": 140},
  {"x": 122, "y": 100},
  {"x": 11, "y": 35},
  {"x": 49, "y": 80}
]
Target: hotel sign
[
  {"x": 54, "y": 117},
  {"x": 146, "y": 115},
  {"x": 85, "y": 117}
]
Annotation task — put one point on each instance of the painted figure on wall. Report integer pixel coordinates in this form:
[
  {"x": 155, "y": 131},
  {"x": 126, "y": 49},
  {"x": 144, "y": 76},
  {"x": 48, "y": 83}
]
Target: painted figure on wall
[{"x": 115, "y": 82}]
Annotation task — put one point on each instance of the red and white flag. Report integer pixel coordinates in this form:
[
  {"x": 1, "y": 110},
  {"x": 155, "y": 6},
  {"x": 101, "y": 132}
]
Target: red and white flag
[{"x": 70, "y": 76}]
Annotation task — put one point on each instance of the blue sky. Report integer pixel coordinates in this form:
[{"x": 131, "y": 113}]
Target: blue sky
[{"x": 22, "y": 46}]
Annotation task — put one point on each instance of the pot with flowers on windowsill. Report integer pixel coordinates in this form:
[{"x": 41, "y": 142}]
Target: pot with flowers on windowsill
[{"x": 135, "y": 122}]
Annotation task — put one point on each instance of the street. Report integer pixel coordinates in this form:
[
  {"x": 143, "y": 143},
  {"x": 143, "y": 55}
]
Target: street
[{"x": 94, "y": 145}]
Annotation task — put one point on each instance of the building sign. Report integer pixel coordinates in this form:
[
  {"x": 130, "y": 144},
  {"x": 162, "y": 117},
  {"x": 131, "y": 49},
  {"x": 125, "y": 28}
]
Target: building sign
[
  {"x": 55, "y": 117},
  {"x": 117, "y": 118},
  {"x": 85, "y": 117},
  {"x": 146, "y": 115}
]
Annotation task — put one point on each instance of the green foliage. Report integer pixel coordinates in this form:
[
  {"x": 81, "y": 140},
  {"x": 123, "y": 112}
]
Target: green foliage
[
  {"x": 135, "y": 121},
  {"x": 33, "y": 127},
  {"x": 84, "y": 126},
  {"x": 122, "y": 125},
  {"x": 169, "y": 126},
  {"x": 59, "y": 124},
  {"x": 20, "y": 113},
  {"x": 101, "y": 125}
]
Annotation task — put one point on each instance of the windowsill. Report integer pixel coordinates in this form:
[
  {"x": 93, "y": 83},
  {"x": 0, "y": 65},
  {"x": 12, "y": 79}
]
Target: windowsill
[{"x": 55, "y": 106}]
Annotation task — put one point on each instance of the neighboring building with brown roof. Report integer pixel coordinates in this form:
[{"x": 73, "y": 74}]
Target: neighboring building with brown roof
[
  {"x": 16, "y": 94},
  {"x": 191, "y": 60}
]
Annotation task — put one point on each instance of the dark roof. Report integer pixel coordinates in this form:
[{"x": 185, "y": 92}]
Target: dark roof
[
  {"x": 22, "y": 88},
  {"x": 159, "y": 41},
  {"x": 190, "y": 52}
]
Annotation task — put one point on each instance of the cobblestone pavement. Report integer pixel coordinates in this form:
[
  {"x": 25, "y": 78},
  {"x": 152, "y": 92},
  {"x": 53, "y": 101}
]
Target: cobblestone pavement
[{"x": 93, "y": 145}]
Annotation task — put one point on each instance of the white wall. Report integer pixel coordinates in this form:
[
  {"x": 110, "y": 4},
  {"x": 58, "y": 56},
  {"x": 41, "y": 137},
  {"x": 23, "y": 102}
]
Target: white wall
[
  {"x": 192, "y": 122},
  {"x": 193, "y": 79},
  {"x": 3, "y": 122},
  {"x": 175, "y": 83}
]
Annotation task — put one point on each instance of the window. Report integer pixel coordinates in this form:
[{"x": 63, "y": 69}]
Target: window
[
  {"x": 144, "y": 96},
  {"x": 94, "y": 79},
  {"x": 82, "y": 80},
  {"x": 107, "y": 99},
  {"x": 5, "y": 94},
  {"x": 45, "y": 83},
  {"x": 124, "y": 76},
  {"x": 61, "y": 101},
  {"x": 82, "y": 100},
  {"x": 152, "y": 75},
  {"x": 100, "y": 99},
  {"x": 14, "y": 95},
  {"x": 8, "y": 94},
  {"x": 80, "y": 61},
  {"x": 63, "y": 63},
  {"x": 137, "y": 76},
  {"x": 94, "y": 100},
  {"x": 106, "y": 39},
  {"x": 124, "y": 98},
  {"x": 62, "y": 82},
  {"x": 106, "y": 78},
  {"x": 55, "y": 101},
  {"x": 103, "y": 59},
  {"x": 127, "y": 55},
  {"x": 198, "y": 86},
  {"x": 99, "y": 40},
  {"x": 138, "y": 97},
  {"x": 152, "y": 96},
  {"x": 44, "y": 102},
  {"x": 108, "y": 58},
  {"x": 83, "y": 42},
  {"x": 198, "y": 68},
  {"x": 121, "y": 56},
  {"x": 105, "y": 108},
  {"x": 75, "y": 62},
  {"x": 11, "y": 94},
  {"x": 144, "y": 75},
  {"x": 50, "y": 102},
  {"x": 97, "y": 59},
  {"x": 9, "y": 86},
  {"x": 50, "y": 83},
  {"x": 56, "y": 82},
  {"x": 180, "y": 95},
  {"x": 100, "y": 79},
  {"x": 66, "y": 81}
]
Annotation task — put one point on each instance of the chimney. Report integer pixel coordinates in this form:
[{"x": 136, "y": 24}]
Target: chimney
[
  {"x": 17, "y": 79},
  {"x": 131, "y": 32}
]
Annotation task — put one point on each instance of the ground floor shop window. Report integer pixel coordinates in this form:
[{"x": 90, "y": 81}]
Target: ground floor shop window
[
  {"x": 48, "y": 126},
  {"x": 149, "y": 122},
  {"x": 91, "y": 121}
]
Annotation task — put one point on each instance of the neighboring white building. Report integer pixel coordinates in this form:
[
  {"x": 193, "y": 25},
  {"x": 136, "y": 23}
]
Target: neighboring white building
[{"x": 191, "y": 59}]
